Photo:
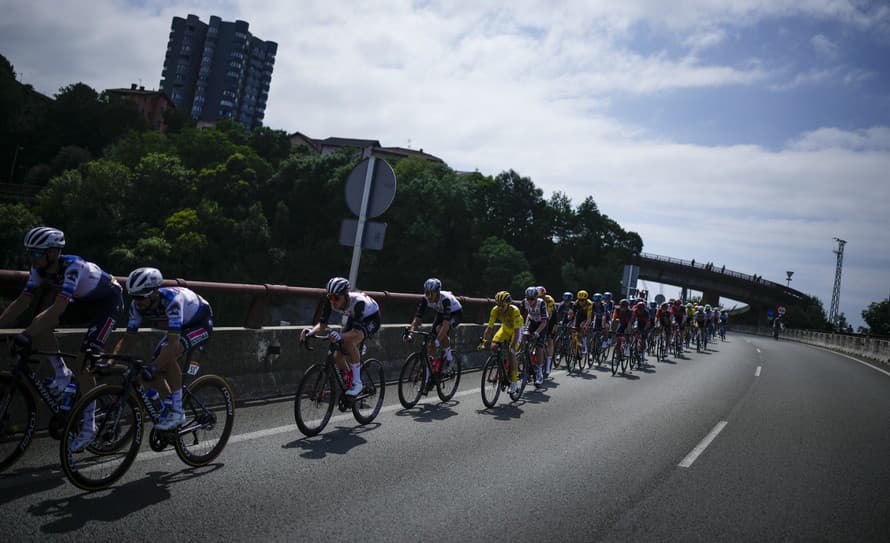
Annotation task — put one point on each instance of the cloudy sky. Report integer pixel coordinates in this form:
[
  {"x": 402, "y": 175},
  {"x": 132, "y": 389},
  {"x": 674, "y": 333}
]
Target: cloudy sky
[{"x": 744, "y": 132}]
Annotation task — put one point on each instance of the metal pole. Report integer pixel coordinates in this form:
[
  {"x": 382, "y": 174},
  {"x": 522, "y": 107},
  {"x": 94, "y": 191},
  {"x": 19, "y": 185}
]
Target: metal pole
[
  {"x": 362, "y": 219},
  {"x": 15, "y": 155}
]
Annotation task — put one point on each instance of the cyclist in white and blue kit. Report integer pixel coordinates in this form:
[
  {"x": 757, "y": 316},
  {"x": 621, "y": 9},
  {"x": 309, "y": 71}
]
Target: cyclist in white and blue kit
[
  {"x": 448, "y": 316},
  {"x": 188, "y": 319},
  {"x": 86, "y": 295}
]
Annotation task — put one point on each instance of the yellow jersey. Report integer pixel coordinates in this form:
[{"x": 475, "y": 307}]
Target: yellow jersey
[
  {"x": 551, "y": 303},
  {"x": 510, "y": 321}
]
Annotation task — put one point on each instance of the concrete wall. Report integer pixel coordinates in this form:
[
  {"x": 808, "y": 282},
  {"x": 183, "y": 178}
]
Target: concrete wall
[
  {"x": 246, "y": 358},
  {"x": 876, "y": 350}
]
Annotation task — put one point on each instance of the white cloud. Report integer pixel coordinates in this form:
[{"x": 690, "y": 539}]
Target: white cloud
[
  {"x": 876, "y": 138},
  {"x": 824, "y": 46}
]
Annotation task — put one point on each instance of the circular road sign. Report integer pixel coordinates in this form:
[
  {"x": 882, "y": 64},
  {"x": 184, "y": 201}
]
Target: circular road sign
[{"x": 383, "y": 187}]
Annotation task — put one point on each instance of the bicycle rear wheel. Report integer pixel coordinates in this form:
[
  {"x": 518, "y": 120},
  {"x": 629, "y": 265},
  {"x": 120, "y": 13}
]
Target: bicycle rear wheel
[
  {"x": 209, "y": 408},
  {"x": 412, "y": 379},
  {"x": 118, "y": 437},
  {"x": 448, "y": 381},
  {"x": 491, "y": 381},
  {"x": 367, "y": 404},
  {"x": 18, "y": 419},
  {"x": 314, "y": 401}
]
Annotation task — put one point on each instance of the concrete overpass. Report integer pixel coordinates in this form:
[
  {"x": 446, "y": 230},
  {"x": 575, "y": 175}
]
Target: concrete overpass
[{"x": 714, "y": 281}]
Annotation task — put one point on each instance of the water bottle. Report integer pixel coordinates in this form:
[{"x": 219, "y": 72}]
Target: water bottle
[{"x": 68, "y": 395}]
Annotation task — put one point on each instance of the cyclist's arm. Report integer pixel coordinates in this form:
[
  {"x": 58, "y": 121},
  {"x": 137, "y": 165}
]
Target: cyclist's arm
[
  {"x": 48, "y": 319},
  {"x": 16, "y": 308}
]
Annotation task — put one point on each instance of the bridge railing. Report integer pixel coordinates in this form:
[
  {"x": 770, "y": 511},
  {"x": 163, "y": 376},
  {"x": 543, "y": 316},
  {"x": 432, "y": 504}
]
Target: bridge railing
[
  {"x": 722, "y": 270},
  {"x": 262, "y": 296}
]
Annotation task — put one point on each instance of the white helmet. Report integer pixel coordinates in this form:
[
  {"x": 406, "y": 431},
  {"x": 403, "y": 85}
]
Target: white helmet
[
  {"x": 142, "y": 281},
  {"x": 338, "y": 285},
  {"x": 432, "y": 285},
  {"x": 44, "y": 237}
]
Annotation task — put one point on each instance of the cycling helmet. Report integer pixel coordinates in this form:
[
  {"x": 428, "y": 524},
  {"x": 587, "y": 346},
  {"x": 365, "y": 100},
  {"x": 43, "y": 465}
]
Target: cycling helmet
[
  {"x": 531, "y": 292},
  {"x": 582, "y": 295},
  {"x": 142, "y": 281},
  {"x": 708, "y": 307},
  {"x": 567, "y": 296},
  {"x": 607, "y": 296},
  {"x": 503, "y": 297},
  {"x": 624, "y": 302},
  {"x": 338, "y": 285},
  {"x": 689, "y": 305},
  {"x": 432, "y": 285},
  {"x": 542, "y": 291},
  {"x": 641, "y": 304},
  {"x": 664, "y": 305},
  {"x": 597, "y": 297},
  {"x": 44, "y": 237}
]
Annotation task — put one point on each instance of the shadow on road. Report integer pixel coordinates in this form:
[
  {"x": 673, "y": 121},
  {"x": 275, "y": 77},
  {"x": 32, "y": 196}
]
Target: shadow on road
[
  {"x": 73, "y": 513},
  {"x": 340, "y": 441},
  {"x": 430, "y": 412},
  {"x": 508, "y": 412},
  {"x": 536, "y": 396},
  {"x": 629, "y": 376},
  {"x": 23, "y": 482},
  {"x": 586, "y": 375}
]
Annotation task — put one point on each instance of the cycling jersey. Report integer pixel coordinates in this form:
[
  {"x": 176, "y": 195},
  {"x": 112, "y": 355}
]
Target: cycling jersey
[
  {"x": 561, "y": 312},
  {"x": 360, "y": 306},
  {"x": 76, "y": 279},
  {"x": 598, "y": 310},
  {"x": 642, "y": 316},
  {"x": 664, "y": 317},
  {"x": 535, "y": 313},
  {"x": 622, "y": 315},
  {"x": 446, "y": 304},
  {"x": 180, "y": 307},
  {"x": 551, "y": 303},
  {"x": 583, "y": 310},
  {"x": 510, "y": 321}
]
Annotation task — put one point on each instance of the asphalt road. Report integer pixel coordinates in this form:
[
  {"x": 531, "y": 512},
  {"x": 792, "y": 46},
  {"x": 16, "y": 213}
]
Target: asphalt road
[{"x": 800, "y": 451}]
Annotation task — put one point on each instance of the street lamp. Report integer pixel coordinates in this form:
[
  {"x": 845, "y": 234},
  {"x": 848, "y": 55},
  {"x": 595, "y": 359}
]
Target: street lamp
[{"x": 790, "y": 273}]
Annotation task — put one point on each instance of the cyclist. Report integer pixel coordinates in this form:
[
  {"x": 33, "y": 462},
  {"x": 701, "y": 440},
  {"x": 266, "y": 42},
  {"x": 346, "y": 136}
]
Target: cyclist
[
  {"x": 700, "y": 322},
  {"x": 536, "y": 318},
  {"x": 724, "y": 321},
  {"x": 582, "y": 314},
  {"x": 86, "y": 295},
  {"x": 551, "y": 324},
  {"x": 598, "y": 316},
  {"x": 363, "y": 321},
  {"x": 621, "y": 318},
  {"x": 448, "y": 316},
  {"x": 641, "y": 316},
  {"x": 188, "y": 320},
  {"x": 664, "y": 322},
  {"x": 678, "y": 311},
  {"x": 510, "y": 330}
]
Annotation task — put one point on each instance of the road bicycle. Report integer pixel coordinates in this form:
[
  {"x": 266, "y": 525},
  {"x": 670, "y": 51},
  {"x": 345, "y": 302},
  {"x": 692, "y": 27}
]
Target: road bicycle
[
  {"x": 18, "y": 408},
  {"x": 420, "y": 374},
  {"x": 120, "y": 411},
  {"x": 561, "y": 344},
  {"x": 496, "y": 375},
  {"x": 323, "y": 385},
  {"x": 621, "y": 353}
]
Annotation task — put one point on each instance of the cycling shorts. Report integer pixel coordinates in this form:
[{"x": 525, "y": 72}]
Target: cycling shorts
[
  {"x": 454, "y": 319},
  {"x": 99, "y": 315},
  {"x": 368, "y": 326}
]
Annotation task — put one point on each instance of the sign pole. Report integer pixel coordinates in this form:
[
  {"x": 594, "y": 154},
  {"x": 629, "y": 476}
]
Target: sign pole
[{"x": 362, "y": 219}]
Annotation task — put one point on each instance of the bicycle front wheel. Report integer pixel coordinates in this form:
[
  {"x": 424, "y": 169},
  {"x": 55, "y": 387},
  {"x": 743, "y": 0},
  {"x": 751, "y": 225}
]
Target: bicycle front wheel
[
  {"x": 448, "y": 381},
  {"x": 616, "y": 358},
  {"x": 367, "y": 404},
  {"x": 522, "y": 366},
  {"x": 18, "y": 419},
  {"x": 491, "y": 381},
  {"x": 209, "y": 406},
  {"x": 412, "y": 379},
  {"x": 314, "y": 401},
  {"x": 118, "y": 422}
]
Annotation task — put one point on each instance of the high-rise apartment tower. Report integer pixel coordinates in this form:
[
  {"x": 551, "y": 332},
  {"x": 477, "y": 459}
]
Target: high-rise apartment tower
[{"x": 218, "y": 70}]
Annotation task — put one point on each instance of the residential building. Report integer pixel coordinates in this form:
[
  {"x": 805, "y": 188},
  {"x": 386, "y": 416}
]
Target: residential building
[
  {"x": 151, "y": 103},
  {"x": 363, "y": 148},
  {"x": 218, "y": 70}
]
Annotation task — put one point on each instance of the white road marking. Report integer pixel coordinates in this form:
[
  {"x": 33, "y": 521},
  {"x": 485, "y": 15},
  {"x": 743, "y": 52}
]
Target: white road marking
[
  {"x": 757, "y": 373},
  {"x": 700, "y": 448},
  {"x": 758, "y": 351}
]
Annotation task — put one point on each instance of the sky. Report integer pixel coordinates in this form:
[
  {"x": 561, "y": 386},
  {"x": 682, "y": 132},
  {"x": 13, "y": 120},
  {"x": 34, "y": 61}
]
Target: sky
[{"x": 748, "y": 133}]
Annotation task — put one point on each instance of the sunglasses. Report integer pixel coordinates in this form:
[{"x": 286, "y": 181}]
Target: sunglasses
[
  {"x": 334, "y": 297},
  {"x": 34, "y": 255},
  {"x": 140, "y": 296}
]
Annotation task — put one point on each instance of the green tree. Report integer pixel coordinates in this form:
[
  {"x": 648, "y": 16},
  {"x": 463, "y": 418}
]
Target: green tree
[
  {"x": 502, "y": 267},
  {"x": 877, "y": 316},
  {"x": 15, "y": 221}
]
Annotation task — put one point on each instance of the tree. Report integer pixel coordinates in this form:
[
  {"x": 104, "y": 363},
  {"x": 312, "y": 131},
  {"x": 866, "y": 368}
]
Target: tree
[
  {"x": 15, "y": 221},
  {"x": 502, "y": 266},
  {"x": 877, "y": 316}
]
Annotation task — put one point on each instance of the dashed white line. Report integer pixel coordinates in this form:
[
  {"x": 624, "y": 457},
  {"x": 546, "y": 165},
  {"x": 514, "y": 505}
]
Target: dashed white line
[
  {"x": 700, "y": 448},
  {"x": 757, "y": 372}
]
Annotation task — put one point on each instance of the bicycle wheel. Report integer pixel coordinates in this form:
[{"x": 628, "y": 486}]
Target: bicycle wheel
[
  {"x": 118, "y": 438},
  {"x": 448, "y": 381},
  {"x": 491, "y": 380},
  {"x": 209, "y": 406},
  {"x": 522, "y": 367},
  {"x": 593, "y": 349},
  {"x": 558, "y": 349},
  {"x": 367, "y": 404},
  {"x": 314, "y": 401},
  {"x": 412, "y": 379},
  {"x": 617, "y": 355},
  {"x": 18, "y": 419},
  {"x": 625, "y": 361}
]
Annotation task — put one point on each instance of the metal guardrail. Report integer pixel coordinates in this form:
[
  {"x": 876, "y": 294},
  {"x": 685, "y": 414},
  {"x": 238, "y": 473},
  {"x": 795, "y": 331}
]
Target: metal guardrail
[{"x": 263, "y": 294}]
